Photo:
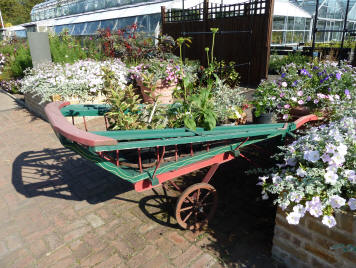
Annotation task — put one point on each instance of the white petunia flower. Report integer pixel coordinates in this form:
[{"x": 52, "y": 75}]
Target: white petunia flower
[
  {"x": 312, "y": 156},
  {"x": 352, "y": 203},
  {"x": 301, "y": 172},
  {"x": 336, "y": 201},
  {"x": 329, "y": 221},
  {"x": 293, "y": 218},
  {"x": 331, "y": 177},
  {"x": 314, "y": 207},
  {"x": 351, "y": 176}
]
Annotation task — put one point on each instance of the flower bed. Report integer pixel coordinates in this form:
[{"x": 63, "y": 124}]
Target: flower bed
[
  {"x": 318, "y": 174},
  {"x": 315, "y": 189},
  {"x": 83, "y": 79},
  {"x": 322, "y": 87}
]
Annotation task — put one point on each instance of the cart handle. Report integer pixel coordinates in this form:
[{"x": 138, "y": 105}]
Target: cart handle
[
  {"x": 305, "y": 119},
  {"x": 61, "y": 125}
]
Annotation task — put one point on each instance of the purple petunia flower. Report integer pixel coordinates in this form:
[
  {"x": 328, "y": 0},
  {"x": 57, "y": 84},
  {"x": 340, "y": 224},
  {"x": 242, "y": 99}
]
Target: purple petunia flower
[
  {"x": 304, "y": 72},
  {"x": 283, "y": 75},
  {"x": 338, "y": 76}
]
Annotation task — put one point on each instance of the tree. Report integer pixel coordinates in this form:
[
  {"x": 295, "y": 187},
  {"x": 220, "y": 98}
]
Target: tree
[{"x": 17, "y": 11}]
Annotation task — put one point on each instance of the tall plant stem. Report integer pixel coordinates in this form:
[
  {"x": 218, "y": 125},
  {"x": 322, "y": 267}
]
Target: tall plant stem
[{"x": 212, "y": 48}]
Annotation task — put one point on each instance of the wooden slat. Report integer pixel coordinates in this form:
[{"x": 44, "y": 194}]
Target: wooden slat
[{"x": 232, "y": 47}]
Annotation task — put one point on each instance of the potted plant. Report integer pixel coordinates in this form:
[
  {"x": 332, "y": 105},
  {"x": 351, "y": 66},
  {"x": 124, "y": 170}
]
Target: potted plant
[
  {"x": 317, "y": 87},
  {"x": 229, "y": 104},
  {"x": 157, "y": 79},
  {"x": 264, "y": 102}
]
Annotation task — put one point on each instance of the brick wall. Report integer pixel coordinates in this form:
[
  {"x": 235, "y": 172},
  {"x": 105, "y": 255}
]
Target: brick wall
[
  {"x": 308, "y": 243},
  {"x": 33, "y": 104}
]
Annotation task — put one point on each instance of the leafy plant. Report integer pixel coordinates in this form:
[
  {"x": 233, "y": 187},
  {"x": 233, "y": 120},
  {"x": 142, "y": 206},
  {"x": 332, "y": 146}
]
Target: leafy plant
[
  {"x": 277, "y": 62},
  {"x": 125, "y": 108},
  {"x": 196, "y": 111},
  {"x": 229, "y": 103},
  {"x": 202, "y": 110}
]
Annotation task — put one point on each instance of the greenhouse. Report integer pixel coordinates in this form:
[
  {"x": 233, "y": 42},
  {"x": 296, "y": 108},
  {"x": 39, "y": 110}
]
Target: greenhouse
[{"x": 292, "y": 20}]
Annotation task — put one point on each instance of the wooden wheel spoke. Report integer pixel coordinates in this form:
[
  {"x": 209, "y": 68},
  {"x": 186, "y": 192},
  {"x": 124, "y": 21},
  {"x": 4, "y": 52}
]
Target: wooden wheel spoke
[
  {"x": 188, "y": 216},
  {"x": 205, "y": 196},
  {"x": 190, "y": 199},
  {"x": 186, "y": 208},
  {"x": 198, "y": 195},
  {"x": 202, "y": 195}
]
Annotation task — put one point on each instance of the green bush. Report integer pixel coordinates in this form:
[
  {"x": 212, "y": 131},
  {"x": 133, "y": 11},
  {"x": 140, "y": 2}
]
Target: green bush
[
  {"x": 18, "y": 58},
  {"x": 22, "y": 61},
  {"x": 277, "y": 61}
]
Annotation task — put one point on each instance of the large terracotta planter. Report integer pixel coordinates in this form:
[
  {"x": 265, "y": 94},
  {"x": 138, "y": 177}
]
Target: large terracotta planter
[{"x": 162, "y": 92}]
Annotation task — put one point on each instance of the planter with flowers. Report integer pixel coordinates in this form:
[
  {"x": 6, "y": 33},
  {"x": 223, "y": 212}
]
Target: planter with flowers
[
  {"x": 157, "y": 79},
  {"x": 79, "y": 82},
  {"x": 317, "y": 178},
  {"x": 318, "y": 87}
]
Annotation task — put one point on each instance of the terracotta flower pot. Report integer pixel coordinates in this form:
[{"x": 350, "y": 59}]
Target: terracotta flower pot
[{"x": 163, "y": 92}]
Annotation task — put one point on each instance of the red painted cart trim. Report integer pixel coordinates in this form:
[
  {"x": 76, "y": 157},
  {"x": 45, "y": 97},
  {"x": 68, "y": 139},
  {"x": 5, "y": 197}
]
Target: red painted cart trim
[
  {"x": 305, "y": 119},
  {"x": 66, "y": 129},
  {"x": 218, "y": 159}
]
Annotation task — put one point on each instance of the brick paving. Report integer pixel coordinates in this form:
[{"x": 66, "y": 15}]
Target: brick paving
[{"x": 59, "y": 210}]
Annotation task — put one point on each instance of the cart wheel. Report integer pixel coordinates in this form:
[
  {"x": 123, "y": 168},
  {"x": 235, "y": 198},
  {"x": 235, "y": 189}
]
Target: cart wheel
[{"x": 196, "y": 206}]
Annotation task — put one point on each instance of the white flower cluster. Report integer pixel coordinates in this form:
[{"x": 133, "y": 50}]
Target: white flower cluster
[
  {"x": 2, "y": 62},
  {"x": 318, "y": 175},
  {"x": 83, "y": 79}
]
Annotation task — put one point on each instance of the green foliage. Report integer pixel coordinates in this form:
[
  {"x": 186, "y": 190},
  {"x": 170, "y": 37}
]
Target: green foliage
[
  {"x": 202, "y": 109},
  {"x": 125, "y": 107},
  {"x": 17, "y": 11},
  {"x": 228, "y": 102},
  {"x": 196, "y": 111},
  {"x": 264, "y": 98},
  {"x": 22, "y": 61},
  {"x": 65, "y": 49},
  {"x": 18, "y": 58},
  {"x": 183, "y": 41},
  {"x": 277, "y": 62},
  {"x": 126, "y": 111}
]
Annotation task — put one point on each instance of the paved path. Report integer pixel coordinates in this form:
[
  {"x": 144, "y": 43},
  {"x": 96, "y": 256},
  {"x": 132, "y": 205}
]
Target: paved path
[{"x": 58, "y": 210}]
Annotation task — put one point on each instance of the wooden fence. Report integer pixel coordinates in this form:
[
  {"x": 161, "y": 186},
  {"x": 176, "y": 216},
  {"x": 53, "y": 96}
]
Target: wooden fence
[{"x": 244, "y": 34}]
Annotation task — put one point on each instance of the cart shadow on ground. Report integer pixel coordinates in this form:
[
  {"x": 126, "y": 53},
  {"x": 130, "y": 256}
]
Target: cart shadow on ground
[
  {"x": 60, "y": 173},
  {"x": 240, "y": 234}
]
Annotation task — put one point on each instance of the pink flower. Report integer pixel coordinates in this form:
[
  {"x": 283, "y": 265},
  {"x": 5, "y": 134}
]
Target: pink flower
[
  {"x": 300, "y": 93},
  {"x": 300, "y": 102},
  {"x": 285, "y": 116},
  {"x": 286, "y": 106}
]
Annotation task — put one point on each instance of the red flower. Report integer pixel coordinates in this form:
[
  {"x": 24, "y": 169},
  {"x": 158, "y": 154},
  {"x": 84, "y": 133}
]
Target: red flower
[{"x": 134, "y": 26}]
